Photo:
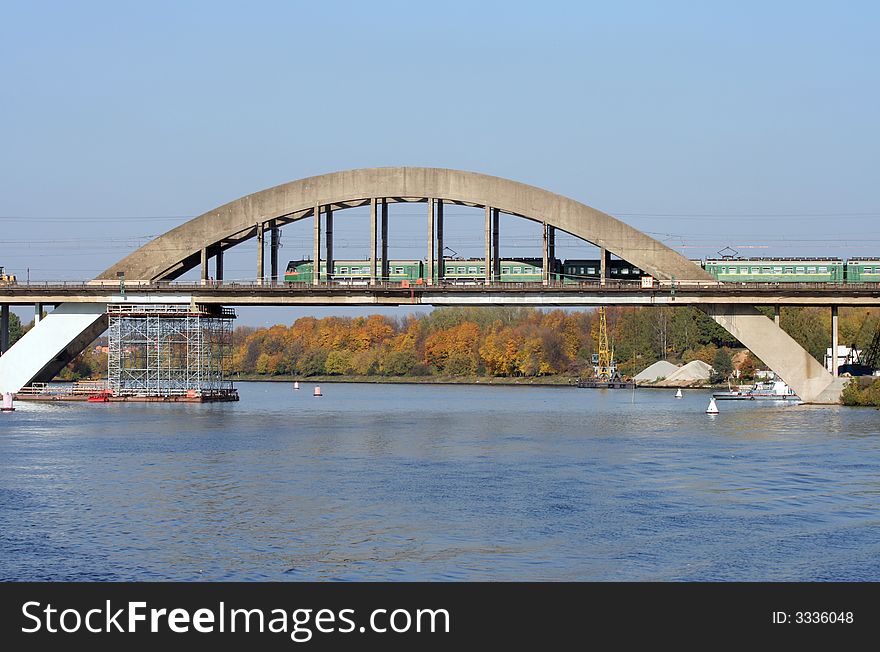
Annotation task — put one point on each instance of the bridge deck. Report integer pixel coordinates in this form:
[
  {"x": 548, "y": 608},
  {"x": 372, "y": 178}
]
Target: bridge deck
[{"x": 345, "y": 293}]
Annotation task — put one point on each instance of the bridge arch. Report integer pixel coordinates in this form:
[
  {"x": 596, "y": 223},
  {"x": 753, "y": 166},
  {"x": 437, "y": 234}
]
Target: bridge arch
[{"x": 174, "y": 253}]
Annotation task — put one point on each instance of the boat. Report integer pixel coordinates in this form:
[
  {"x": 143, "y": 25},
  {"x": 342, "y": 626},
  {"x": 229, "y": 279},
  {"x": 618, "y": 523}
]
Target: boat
[
  {"x": 771, "y": 390},
  {"x": 101, "y": 397}
]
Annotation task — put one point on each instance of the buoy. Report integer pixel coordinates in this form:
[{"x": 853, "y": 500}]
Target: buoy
[
  {"x": 7, "y": 403},
  {"x": 678, "y": 393},
  {"x": 317, "y": 391},
  {"x": 712, "y": 409},
  {"x": 296, "y": 384}
]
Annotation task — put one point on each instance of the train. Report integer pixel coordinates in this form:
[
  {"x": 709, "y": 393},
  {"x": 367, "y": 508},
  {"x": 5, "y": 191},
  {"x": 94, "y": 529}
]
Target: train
[
  {"x": 530, "y": 270},
  {"x": 464, "y": 271}
]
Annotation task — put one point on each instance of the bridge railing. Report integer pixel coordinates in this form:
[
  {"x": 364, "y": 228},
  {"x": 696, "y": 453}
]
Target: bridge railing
[{"x": 93, "y": 287}]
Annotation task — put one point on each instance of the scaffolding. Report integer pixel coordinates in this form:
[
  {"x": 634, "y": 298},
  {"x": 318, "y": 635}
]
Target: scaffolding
[{"x": 170, "y": 350}]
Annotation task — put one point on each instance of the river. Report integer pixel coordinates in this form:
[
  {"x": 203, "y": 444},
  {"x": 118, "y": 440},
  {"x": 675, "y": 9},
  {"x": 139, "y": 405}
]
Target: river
[{"x": 440, "y": 482}]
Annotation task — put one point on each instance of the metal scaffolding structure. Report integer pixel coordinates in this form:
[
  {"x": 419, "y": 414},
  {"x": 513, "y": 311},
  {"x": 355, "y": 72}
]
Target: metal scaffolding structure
[{"x": 167, "y": 350}]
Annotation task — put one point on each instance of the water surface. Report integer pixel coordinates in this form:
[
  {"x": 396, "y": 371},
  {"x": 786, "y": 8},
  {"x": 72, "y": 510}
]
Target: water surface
[{"x": 414, "y": 482}]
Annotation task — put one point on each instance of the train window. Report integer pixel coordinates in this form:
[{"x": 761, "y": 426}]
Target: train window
[
  {"x": 755, "y": 270},
  {"x": 811, "y": 270},
  {"x": 777, "y": 270},
  {"x": 799, "y": 270},
  {"x": 397, "y": 270},
  {"x": 343, "y": 270},
  {"x": 517, "y": 270},
  {"x": 591, "y": 270},
  {"x": 823, "y": 269},
  {"x": 868, "y": 270},
  {"x": 765, "y": 270},
  {"x": 624, "y": 270},
  {"x": 505, "y": 270},
  {"x": 472, "y": 270}
]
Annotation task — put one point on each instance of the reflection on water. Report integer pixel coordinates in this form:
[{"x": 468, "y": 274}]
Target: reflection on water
[{"x": 440, "y": 482}]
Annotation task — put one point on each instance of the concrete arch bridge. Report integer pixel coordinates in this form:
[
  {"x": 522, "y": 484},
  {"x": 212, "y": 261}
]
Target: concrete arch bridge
[{"x": 201, "y": 242}]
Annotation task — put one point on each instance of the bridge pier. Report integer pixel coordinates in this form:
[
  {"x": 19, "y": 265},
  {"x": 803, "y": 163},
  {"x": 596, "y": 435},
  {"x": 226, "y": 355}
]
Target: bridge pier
[
  {"x": 203, "y": 266},
  {"x": 776, "y": 314},
  {"x": 834, "y": 361},
  {"x": 545, "y": 255},
  {"x": 551, "y": 250},
  {"x": 38, "y": 313},
  {"x": 4, "y": 328}
]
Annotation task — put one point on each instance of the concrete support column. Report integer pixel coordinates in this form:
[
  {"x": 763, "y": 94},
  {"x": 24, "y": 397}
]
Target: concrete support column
[
  {"x": 38, "y": 313},
  {"x": 496, "y": 239},
  {"x": 218, "y": 262},
  {"x": 204, "y": 266},
  {"x": 328, "y": 215},
  {"x": 834, "y": 361},
  {"x": 373, "y": 225},
  {"x": 261, "y": 267},
  {"x": 545, "y": 255},
  {"x": 441, "y": 269},
  {"x": 604, "y": 265},
  {"x": 776, "y": 314},
  {"x": 551, "y": 250},
  {"x": 4, "y": 328},
  {"x": 316, "y": 247},
  {"x": 429, "y": 269},
  {"x": 274, "y": 245},
  {"x": 385, "y": 267},
  {"x": 487, "y": 278}
]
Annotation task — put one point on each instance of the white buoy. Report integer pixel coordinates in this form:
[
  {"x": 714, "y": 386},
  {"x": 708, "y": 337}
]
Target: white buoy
[
  {"x": 678, "y": 393},
  {"x": 712, "y": 409},
  {"x": 7, "y": 403},
  {"x": 296, "y": 384},
  {"x": 317, "y": 391}
]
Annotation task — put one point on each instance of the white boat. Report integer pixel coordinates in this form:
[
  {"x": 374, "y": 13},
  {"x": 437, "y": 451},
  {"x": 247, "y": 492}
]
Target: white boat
[{"x": 773, "y": 390}]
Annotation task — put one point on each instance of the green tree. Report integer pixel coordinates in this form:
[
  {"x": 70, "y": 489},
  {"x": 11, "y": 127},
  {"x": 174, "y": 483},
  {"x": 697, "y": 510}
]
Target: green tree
[{"x": 722, "y": 366}]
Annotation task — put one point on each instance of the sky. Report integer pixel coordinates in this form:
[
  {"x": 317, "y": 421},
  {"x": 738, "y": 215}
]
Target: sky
[{"x": 752, "y": 125}]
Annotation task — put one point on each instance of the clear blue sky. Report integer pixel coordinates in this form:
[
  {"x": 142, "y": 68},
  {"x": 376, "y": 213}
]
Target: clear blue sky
[{"x": 751, "y": 124}]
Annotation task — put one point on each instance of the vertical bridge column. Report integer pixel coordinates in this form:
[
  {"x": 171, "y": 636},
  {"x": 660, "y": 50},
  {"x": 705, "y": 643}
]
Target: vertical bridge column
[
  {"x": 776, "y": 314},
  {"x": 384, "y": 229},
  {"x": 604, "y": 265},
  {"x": 204, "y": 266},
  {"x": 373, "y": 241},
  {"x": 488, "y": 269},
  {"x": 218, "y": 262},
  {"x": 496, "y": 240},
  {"x": 261, "y": 268},
  {"x": 316, "y": 247},
  {"x": 4, "y": 328},
  {"x": 834, "y": 340},
  {"x": 38, "y": 313},
  {"x": 441, "y": 270},
  {"x": 429, "y": 268},
  {"x": 551, "y": 251},
  {"x": 328, "y": 214},
  {"x": 545, "y": 256},
  {"x": 274, "y": 245}
]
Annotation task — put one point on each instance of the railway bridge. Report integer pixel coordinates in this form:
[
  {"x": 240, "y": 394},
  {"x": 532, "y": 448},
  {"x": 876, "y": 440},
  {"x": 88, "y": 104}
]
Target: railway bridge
[{"x": 148, "y": 275}]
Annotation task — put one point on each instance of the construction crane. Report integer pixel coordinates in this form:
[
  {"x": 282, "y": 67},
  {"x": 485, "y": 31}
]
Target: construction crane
[
  {"x": 604, "y": 367},
  {"x": 862, "y": 363}
]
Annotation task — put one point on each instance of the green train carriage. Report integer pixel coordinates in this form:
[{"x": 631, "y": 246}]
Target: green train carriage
[{"x": 776, "y": 270}]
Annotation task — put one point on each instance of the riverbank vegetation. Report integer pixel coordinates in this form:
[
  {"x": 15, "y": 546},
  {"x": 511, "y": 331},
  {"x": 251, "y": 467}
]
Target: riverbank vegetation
[{"x": 472, "y": 344}]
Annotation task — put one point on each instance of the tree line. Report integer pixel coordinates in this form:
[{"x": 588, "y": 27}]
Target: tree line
[{"x": 503, "y": 342}]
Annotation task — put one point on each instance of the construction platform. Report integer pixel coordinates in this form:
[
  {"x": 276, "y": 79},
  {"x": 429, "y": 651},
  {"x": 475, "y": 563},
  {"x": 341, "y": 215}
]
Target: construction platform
[
  {"x": 592, "y": 383},
  {"x": 98, "y": 392}
]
